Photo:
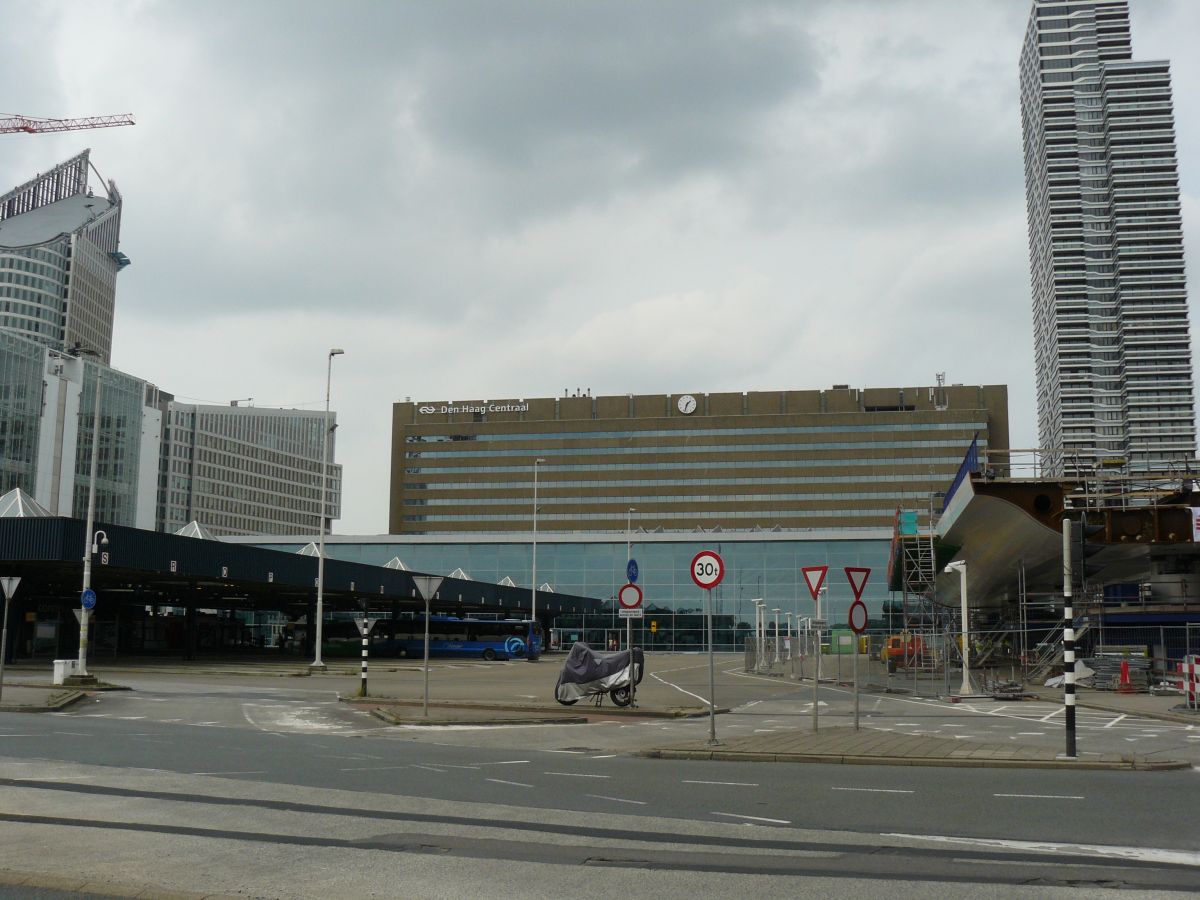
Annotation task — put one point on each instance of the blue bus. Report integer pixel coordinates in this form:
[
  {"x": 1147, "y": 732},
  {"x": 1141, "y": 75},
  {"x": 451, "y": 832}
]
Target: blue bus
[{"x": 449, "y": 636}]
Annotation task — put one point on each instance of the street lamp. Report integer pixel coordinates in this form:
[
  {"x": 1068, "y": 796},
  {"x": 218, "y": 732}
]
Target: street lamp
[
  {"x": 776, "y": 611},
  {"x": 86, "y": 599},
  {"x": 533, "y": 586},
  {"x": 317, "y": 662},
  {"x": 960, "y": 566}
]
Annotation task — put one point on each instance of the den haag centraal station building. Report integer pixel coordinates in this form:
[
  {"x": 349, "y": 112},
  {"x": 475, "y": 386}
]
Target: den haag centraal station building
[{"x": 843, "y": 458}]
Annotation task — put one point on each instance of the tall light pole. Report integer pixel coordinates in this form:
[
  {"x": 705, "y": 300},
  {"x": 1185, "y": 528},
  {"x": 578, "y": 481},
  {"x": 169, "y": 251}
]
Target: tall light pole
[
  {"x": 960, "y": 566},
  {"x": 86, "y": 598},
  {"x": 629, "y": 622},
  {"x": 533, "y": 586},
  {"x": 317, "y": 662}
]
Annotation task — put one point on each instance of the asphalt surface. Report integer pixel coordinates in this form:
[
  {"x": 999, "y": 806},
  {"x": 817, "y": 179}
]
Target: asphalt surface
[{"x": 257, "y": 784}]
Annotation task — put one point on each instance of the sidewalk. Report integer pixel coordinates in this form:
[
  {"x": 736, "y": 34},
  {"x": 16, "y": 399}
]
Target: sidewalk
[
  {"x": 884, "y": 748},
  {"x": 37, "y": 698}
]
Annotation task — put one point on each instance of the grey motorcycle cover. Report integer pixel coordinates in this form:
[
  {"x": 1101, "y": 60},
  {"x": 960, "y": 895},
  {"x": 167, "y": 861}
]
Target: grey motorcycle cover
[{"x": 587, "y": 671}]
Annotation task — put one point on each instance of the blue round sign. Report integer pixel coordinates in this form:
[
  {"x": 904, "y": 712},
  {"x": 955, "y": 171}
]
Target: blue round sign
[
  {"x": 88, "y": 599},
  {"x": 631, "y": 571}
]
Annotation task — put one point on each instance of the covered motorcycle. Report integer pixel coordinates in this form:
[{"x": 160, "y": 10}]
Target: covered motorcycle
[{"x": 594, "y": 673}]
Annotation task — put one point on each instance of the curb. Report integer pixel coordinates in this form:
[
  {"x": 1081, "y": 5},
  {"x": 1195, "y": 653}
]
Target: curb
[
  {"x": 634, "y": 712},
  {"x": 952, "y": 762},
  {"x": 56, "y": 702},
  {"x": 386, "y": 715},
  {"x": 46, "y": 882}
]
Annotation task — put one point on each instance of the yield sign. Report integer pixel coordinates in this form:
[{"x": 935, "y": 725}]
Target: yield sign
[
  {"x": 815, "y": 576},
  {"x": 858, "y": 579}
]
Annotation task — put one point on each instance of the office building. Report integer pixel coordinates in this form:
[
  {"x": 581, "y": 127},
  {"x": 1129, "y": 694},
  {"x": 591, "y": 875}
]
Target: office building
[
  {"x": 47, "y": 406},
  {"x": 1110, "y": 315},
  {"x": 245, "y": 470},
  {"x": 843, "y": 458},
  {"x": 59, "y": 259}
]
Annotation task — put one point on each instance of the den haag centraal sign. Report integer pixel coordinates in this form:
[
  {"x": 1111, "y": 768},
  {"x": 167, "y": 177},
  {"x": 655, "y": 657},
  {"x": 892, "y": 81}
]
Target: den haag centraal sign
[{"x": 448, "y": 409}]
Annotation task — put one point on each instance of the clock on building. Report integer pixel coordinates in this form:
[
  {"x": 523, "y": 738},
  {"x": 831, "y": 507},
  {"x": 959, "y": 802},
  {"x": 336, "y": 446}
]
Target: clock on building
[{"x": 687, "y": 404}]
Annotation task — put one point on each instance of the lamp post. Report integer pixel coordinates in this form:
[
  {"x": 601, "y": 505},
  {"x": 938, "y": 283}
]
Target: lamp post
[
  {"x": 629, "y": 622},
  {"x": 776, "y": 611},
  {"x": 86, "y": 599},
  {"x": 533, "y": 582},
  {"x": 960, "y": 566},
  {"x": 317, "y": 662},
  {"x": 790, "y": 641}
]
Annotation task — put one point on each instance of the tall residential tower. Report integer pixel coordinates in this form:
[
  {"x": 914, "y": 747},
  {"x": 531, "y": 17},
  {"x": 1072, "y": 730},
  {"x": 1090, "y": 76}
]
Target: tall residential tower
[{"x": 1112, "y": 348}]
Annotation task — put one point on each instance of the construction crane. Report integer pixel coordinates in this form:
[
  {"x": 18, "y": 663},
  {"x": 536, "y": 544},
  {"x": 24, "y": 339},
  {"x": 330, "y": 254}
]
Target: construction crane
[{"x": 10, "y": 124}]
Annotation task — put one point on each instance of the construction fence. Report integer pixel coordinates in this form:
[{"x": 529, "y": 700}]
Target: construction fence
[{"x": 928, "y": 663}]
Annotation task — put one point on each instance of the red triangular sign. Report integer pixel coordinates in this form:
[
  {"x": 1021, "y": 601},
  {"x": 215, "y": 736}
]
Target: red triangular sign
[
  {"x": 858, "y": 579},
  {"x": 815, "y": 576}
]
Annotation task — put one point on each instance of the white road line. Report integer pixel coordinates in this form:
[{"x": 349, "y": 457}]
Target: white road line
[
  {"x": 575, "y": 775},
  {"x": 507, "y": 762},
  {"x": 1030, "y": 733},
  {"x": 754, "y": 818},
  {"x": 259, "y": 772},
  {"x": 616, "y": 799},
  {"x": 514, "y": 783},
  {"x": 370, "y": 768},
  {"x": 729, "y": 783},
  {"x": 703, "y": 700},
  {"x": 1051, "y": 715},
  {"x": 1042, "y": 796},
  {"x": 448, "y": 766},
  {"x": 1147, "y": 854},
  {"x": 874, "y": 790},
  {"x": 1116, "y": 720},
  {"x": 576, "y": 752},
  {"x": 605, "y": 756},
  {"x": 429, "y": 768}
]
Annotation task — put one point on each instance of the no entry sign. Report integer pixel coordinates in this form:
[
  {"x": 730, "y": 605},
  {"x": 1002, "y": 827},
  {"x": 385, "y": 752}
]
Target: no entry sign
[{"x": 630, "y": 596}]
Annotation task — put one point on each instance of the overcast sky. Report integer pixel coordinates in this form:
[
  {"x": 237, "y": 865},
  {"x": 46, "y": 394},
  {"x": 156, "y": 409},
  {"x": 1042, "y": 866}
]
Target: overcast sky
[{"x": 482, "y": 200}]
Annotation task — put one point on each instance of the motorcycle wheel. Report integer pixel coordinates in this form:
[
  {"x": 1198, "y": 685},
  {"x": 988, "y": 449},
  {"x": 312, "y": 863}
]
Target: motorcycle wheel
[
  {"x": 568, "y": 702},
  {"x": 620, "y": 696}
]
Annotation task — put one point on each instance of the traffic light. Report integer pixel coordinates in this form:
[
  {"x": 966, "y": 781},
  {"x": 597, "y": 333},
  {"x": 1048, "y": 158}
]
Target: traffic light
[{"x": 1083, "y": 548}]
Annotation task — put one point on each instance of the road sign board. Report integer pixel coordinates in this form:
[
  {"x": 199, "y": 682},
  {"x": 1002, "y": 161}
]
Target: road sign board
[
  {"x": 629, "y": 613},
  {"x": 815, "y": 577},
  {"x": 631, "y": 571},
  {"x": 630, "y": 597},
  {"x": 9, "y": 585},
  {"x": 858, "y": 616},
  {"x": 707, "y": 569},
  {"x": 87, "y": 599},
  {"x": 857, "y": 577}
]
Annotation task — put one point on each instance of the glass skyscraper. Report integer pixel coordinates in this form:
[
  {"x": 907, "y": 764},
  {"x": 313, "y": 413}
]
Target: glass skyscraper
[{"x": 1112, "y": 348}]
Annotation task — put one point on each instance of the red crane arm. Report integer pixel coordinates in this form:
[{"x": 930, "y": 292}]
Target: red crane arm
[{"x": 33, "y": 125}]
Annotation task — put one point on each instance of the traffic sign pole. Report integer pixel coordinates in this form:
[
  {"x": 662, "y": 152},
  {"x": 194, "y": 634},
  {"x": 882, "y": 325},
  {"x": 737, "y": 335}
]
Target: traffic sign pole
[
  {"x": 858, "y": 619},
  {"x": 708, "y": 569},
  {"x": 9, "y": 586}
]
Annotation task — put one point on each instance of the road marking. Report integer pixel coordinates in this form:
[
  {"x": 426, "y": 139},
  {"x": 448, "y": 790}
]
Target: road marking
[
  {"x": 728, "y": 783},
  {"x": 1042, "y": 796},
  {"x": 1030, "y": 733},
  {"x": 752, "y": 703},
  {"x": 575, "y": 775},
  {"x": 260, "y": 772},
  {"x": 514, "y": 783},
  {"x": 755, "y": 818},
  {"x": 567, "y": 751},
  {"x": 1116, "y": 720},
  {"x": 874, "y": 790},
  {"x": 616, "y": 799},
  {"x": 370, "y": 768},
  {"x": 1145, "y": 854},
  {"x": 507, "y": 762},
  {"x": 430, "y": 768},
  {"x": 605, "y": 756},
  {"x": 449, "y": 766},
  {"x": 1051, "y": 715},
  {"x": 703, "y": 700}
]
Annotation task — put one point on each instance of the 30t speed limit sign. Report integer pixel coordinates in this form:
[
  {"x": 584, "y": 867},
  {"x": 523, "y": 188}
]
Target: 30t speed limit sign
[{"x": 707, "y": 569}]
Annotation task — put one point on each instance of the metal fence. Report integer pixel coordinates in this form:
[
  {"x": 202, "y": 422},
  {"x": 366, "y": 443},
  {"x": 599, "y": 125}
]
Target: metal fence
[{"x": 928, "y": 663}]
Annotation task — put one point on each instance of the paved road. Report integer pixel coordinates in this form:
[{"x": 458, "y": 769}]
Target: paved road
[{"x": 278, "y": 774}]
